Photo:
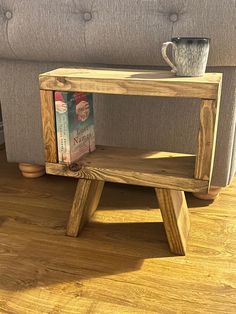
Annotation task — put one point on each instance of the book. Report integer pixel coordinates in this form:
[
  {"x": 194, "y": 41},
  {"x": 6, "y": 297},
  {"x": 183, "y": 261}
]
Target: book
[{"x": 74, "y": 124}]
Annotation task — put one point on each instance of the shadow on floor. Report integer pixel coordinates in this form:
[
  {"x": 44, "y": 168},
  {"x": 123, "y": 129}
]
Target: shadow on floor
[{"x": 35, "y": 258}]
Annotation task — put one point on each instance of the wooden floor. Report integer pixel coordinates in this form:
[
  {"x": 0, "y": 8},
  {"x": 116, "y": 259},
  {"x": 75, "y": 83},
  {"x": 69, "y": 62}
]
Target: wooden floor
[{"x": 121, "y": 263}]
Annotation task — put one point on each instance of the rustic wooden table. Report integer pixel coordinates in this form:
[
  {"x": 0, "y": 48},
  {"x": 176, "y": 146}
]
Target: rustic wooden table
[{"x": 169, "y": 173}]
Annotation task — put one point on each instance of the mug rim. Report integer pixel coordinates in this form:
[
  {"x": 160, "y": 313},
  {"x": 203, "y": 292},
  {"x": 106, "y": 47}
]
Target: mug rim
[{"x": 191, "y": 38}]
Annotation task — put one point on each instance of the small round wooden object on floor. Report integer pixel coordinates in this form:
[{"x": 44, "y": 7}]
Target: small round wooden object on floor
[
  {"x": 213, "y": 193},
  {"x": 31, "y": 170}
]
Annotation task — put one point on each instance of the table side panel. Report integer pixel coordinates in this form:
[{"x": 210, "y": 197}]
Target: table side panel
[
  {"x": 48, "y": 121},
  {"x": 209, "y": 115}
]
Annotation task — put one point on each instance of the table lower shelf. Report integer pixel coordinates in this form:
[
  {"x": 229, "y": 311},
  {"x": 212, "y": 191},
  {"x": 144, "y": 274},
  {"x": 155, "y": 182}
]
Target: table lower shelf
[{"x": 135, "y": 166}]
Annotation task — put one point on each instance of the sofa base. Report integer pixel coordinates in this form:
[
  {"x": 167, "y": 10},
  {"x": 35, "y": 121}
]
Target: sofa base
[{"x": 31, "y": 170}]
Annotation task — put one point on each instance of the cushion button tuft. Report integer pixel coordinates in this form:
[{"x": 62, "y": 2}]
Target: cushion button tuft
[
  {"x": 87, "y": 16},
  {"x": 173, "y": 17},
  {"x": 8, "y": 15}
]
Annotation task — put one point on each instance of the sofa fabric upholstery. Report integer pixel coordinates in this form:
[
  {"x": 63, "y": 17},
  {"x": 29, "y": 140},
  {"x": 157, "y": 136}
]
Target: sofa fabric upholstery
[
  {"x": 37, "y": 36},
  {"x": 1, "y": 128},
  {"x": 110, "y": 31}
]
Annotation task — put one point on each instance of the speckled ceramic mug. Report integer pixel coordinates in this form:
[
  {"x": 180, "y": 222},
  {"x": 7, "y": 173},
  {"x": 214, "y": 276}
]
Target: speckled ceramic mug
[{"x": 189, "y": 55}]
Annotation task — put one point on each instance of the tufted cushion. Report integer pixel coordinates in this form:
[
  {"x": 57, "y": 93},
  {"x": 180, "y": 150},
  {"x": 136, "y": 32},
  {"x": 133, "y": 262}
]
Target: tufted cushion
[{"x": 111, "y": 31}]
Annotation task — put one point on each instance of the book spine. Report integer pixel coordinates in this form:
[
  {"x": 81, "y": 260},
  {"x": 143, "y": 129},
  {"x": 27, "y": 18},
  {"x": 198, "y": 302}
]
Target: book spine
[
  {"x": 82, "y": 135},
  {"x": 62, "y": 125}
]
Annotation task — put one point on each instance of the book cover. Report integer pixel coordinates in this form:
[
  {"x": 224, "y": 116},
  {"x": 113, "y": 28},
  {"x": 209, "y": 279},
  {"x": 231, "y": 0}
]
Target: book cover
[{"x": 75, "y": 125}]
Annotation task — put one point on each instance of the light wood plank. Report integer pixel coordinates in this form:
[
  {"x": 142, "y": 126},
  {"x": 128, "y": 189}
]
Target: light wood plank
[
  {"x": 175, "y": 216},
  {"x": 31, "y": 170},
  {"x": 78, "y": 208},
  {"x": 86, "y": 200},
  {"x": 209, "y": 113},
  {"x": 48, "y": 121},
  {"x": 92, "y": 202},
  {"x": 130, "y": 73},
  {"x": 131, "y": 82},
  {"x": 135, "y": 166}
]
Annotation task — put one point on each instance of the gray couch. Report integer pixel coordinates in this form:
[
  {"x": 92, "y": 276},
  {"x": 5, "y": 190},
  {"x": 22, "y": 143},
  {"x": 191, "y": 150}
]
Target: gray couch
[{"x": 36, "y": 36}]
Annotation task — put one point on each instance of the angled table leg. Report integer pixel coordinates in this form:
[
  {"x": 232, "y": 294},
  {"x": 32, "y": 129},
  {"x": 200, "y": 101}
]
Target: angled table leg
[
  {"x": 175, "y": 216},
  {"x": 85, "y": 203}
]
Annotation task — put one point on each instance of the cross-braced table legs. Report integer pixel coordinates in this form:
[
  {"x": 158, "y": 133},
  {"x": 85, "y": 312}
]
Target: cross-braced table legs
[{"x": 172, "y": 203}]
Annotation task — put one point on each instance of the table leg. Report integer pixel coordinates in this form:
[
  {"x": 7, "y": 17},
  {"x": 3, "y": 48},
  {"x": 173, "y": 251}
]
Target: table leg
[
  {"x": 175, "y": 216},
  {"x": 85, "y": 203}
]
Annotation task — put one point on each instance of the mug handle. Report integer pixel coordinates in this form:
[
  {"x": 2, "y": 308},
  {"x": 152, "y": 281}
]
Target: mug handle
[{"x": 164, "y": 55}]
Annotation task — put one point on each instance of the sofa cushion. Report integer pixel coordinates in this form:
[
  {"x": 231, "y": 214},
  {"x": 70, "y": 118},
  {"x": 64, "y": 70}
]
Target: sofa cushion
[{"x": 111, "y": 31}]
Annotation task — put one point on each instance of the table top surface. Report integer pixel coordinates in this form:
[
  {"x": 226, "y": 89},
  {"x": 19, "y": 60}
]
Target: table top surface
[
  {"x": 134, "y": 74},
  {"x": 126, "y": 81}
]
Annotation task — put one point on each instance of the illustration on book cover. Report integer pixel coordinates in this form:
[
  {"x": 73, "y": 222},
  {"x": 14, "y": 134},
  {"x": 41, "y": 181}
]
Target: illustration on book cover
[{"x": 75, "y": 125}]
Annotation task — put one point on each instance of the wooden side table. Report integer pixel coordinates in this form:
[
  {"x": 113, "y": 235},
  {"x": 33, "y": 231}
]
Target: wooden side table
[{"x": 169, "y": 173}]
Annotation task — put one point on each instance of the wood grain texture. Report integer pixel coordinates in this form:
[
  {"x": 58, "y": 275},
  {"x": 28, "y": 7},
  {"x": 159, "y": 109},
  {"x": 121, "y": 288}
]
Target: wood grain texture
[
  {"x": 206, "y": 139},
  {"x": 175, "y": 216},
  {"x": 211, "y": 194},
  {"x": 92, "y": 202},
  {"x": 31, "y": 170},
  {"x": 48, "y": 121},
  {"x": 78, "y": 207},
  {"x": 135, "y": 166},
  {"x": 131, "y": 82},
  {"x": 85, "y": 203},
  {"x": 121, "y": 263}
]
